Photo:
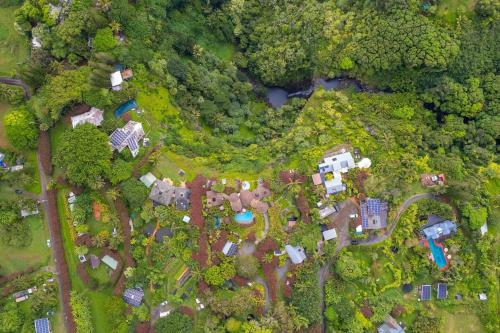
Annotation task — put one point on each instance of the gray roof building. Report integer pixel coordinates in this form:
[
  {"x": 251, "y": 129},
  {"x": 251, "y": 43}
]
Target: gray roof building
[
  {"x": 296, "y": 254},
  {"x": 94, "y": 261},
  {"x": 133, "y": 296},
  {"x": 230, "y": 249},
  {"x": 438, "y": 228},
  {"x": 127, "y": 136},
  {"x": 164, "y": 193},
  {"x": 390, "y": 325},
  {"x": 331, "y": 169}
]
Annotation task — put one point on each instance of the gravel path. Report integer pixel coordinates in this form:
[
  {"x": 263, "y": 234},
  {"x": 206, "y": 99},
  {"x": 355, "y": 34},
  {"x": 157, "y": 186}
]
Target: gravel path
[{"x": 19, "y": 83}]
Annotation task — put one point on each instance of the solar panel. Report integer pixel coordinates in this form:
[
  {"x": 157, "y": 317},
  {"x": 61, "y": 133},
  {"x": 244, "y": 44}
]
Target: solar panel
[
  {"x": 364, "y": 215},
  {"x": 42, "y": 325},
  {"x": 133, "y": 296},
  {"x": 442, "y": 292},
  {"x": 426, "y": 292}
]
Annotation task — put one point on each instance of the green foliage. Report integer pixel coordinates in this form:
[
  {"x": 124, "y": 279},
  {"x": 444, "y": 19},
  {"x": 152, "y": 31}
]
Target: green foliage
[
  {"x": 11, "y": 318},
  {"x": 21, "y": 129},
  {"x": 426, "y": 323},
  {"x": 477, "y": 216},
  {"x": 134, "y": 192},
  {"x": 13, "y": 232},
  {"x": 306, "y": 295},
  {"x": 247, "y": 266},
  {"x": 233, "y": 325},
  {"x": 104, "y": 40},
  {"x": 217, "y": 275},
  {"x": 348, "y": 267},
  {"x": 81, "y": 312},
  {"x": 175, "y": 322},
  {"x": 84, "y": 155},
  {"x": 120, "y": 171}
]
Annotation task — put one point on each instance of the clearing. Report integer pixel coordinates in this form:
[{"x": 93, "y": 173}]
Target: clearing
[
  {"x": 13, "y": 46},
  {"x": 462, "y": 321}
]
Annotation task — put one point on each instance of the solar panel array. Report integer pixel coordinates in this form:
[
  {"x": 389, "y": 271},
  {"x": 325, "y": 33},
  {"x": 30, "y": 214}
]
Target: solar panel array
[
  {"x": 426, "y": 292},
  {"x": 374, "y": 206},
  {"x": 133, "y": 296},
  {"x": 118, "y": 136},
  {"x": 442, "y": 291},
  {"x": 42, "y": 325},
  {"x": 364, "y": 215}
]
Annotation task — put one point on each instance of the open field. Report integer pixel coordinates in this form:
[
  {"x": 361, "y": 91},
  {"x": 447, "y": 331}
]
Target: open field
[
  {"x": 13, "y": 46},
  {"x": 37, "y": 254},
  {"x": 462, "y": 321},
  {"x": 3, "y": 139}
]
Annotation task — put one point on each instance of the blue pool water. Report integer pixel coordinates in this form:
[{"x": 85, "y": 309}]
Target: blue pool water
[
  {"x": 437, "y": 253},
  {"x": 244, "y": 218},
  {"x": 125, "y": 107}
]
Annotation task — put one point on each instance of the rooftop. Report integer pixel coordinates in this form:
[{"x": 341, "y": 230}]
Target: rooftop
[
  {"x": 42, "y": 325},
  {"x": 442, "y": 291},
  {"x": 111, "y": 262},
  {"x": 438, "y": 227},
  {"x": 425, "y": 292},
  {"x": 329, "y": 234},
  {"x": 390, "y": 325},
  {"x": 133, "y": 296},
  {"x": 296, "y": 254},
  {"x": 373, "y": 214},
  {"x": 94, "y": 117},
  {"x": 148, "y": 179},
  {"x": 230, "y": 249}
]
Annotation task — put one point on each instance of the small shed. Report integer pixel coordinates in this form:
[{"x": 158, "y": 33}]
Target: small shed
[
  {"x": 186, "y": 219},
  {"x": 148, "y": 179},
  {"x": 296, "y": 254},
  {"x": 230, "y": 249},
  {"x": 94, "y": 261},
  {"x": 109, "y": 261},
  {"x": 329, "y": 234}
]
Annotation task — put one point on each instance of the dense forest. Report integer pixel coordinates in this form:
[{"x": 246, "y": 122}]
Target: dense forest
[{"x": 427, "y": 99}]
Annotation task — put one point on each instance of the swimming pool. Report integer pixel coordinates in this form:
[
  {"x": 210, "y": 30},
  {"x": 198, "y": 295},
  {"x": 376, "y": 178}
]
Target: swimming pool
[
  {"x": 244, "y": 218},
  {"x": 437, "y": 253}
]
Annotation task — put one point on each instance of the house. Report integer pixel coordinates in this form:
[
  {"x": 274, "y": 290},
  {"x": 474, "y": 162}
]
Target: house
[
  {"x": 165, "y": 193},
  {"x": 235, "y": 202},
  {"x": 430, "y": 180},
  {"x": 329, "y": 234},
  {"x": 161, "y": 233},
  {"x": 442, "y": 291},
  {"x": 128, "y": 136},
  {"x": 29, "y": 212},
  {"x": 42, "y": 325},
  {"x": 94, "y": 261},
  {"x": 390, "y": 325},
  {"x": 148, "y": 179},
  {"x": 214, "y": 199},
  {"x": 94, "y": 117},
  {"x": 133, "y": 296},
  {"x": 230, "y": 249},
  {"x": 18, "y": 167},
  {"x": 326, "y": 211},
  {"x": 425, "y": 292},
  {"x": 316, "y": 178},
  {"x": 116, "y": 80},
  {"x": 373, "y": 214},
  {"x": 438, "y": 228},
  {"x": 296, "y": 254},
  {"x": 110, "y": 262},
  {"x": 331, "y": 169}
]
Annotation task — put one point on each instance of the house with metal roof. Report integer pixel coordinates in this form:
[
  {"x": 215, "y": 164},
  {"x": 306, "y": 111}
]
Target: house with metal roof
[
  {"x": 295, "y": 253},
  {"x": 110, "y": 261},
  {"x": 148, "y": 179},
  {"x": 373, "y": 214},
  {"x": 94, "y": 117},
  {"x": 127, "y": 137},
  {"x": 438, "y": 228},
  {"x": 133, "y": 296},
  {"x": 165, "y": 193},
  {"x": 425, "y": 292},
  {"x": 390, "y": 325},
  {"x": 42, "y": 325},
  {"x": 329, "y": 234},
  {"x": 116, "y": 80}
]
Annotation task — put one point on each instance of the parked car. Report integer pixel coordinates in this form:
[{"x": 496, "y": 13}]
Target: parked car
[
  {"x": 353, "y": 216},
  {"x": 354, "y": 242},
  {"x": 49, "y": 243}
]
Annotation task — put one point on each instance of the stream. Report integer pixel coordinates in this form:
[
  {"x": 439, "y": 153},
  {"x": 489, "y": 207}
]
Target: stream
[{"x": 277, "y": 96}]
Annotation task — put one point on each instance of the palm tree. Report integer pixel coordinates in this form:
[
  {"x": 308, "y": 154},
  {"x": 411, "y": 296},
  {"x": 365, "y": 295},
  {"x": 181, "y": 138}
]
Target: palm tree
[
  {"x": 115, "y": 27},
  {"x": 104, "y": 5},
  {"x": 113, "y": 194}
]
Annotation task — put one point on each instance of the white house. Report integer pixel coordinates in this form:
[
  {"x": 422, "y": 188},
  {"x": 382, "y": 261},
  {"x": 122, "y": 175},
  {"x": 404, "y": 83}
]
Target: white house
[
  {"x": 329, "y": 234},
  {"x": 295, "y": 253},
  {"x": 116, "y": 80},
  {"x": 94, "y": 117}
]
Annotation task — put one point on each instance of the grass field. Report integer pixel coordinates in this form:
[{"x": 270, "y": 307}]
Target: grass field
[
  {"x": 3, "y": 110},
  {"x": 37, "y": 254},
  {"x": 13, "y": 46},
  {"x": 462, "y": 321},
  {"x": 451, "y": 9}
]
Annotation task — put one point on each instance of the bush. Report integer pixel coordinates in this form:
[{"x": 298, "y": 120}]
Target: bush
[
  {"x": 247, "y": 266},
  {"x": 176, "y": 322},
  {"x": 21, "y": 129}
]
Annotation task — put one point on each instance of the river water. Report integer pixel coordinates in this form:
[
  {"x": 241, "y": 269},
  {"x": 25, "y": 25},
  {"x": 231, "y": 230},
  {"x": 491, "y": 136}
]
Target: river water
[{"x": 277, "y": 96}]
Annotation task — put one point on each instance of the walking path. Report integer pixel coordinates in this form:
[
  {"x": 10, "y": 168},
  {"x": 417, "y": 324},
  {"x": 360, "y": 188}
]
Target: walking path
[
  {"x": 19, "y": 83},
  {"x": 267, "y": 303}
]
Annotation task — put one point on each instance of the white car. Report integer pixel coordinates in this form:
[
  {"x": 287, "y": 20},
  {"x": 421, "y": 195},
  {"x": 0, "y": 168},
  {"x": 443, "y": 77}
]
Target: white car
[
  {"x": 353, "y": 216},
  {"x": 49, "y": 243}
]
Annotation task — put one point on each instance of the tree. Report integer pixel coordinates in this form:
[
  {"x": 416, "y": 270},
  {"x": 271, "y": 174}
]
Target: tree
[
  {"x": 175, "y": 322},
  {"x": 21, "y": 129},
  {"x": 134, "y": 192},
  {"x": 84, "y": 155},
  {"x": 13, "y": 232},
  {"x": 11, "y": 319},
  {"x": 477, "y": 216},
  {"x": 217, "y": 275},
  {"x": 247, "y": 266},
  {"x": 120, "y": 171},
  {"x": 233, "y": 325},
  {"x": 104, "y": 40},
  {"x": 81, "y": 312},
  {"x": 348, "y": 267}
]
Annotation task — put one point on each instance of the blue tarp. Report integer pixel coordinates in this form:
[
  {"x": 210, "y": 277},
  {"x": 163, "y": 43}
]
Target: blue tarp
[{"x": 125, "y": 107}]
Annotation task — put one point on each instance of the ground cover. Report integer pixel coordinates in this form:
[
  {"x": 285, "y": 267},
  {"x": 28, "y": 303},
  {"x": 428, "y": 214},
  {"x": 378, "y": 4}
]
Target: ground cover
[
  {"x": 461, "y": 320},
  {"x": 37, "y": 254},
  {"x": 13, "y": 46},
  {"x": 449, "y": 10},
  {"x": 3, "y": 138}
]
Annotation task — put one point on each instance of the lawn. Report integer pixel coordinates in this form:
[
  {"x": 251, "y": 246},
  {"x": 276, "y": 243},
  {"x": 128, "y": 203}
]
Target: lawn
[
  {"x": 462, "y": 321},
  {"x": 35, "y": 255},
  {"x": 451, "y": 9},
  {"x": 13, "y": 46},
  {"x": 3, "y": 138}
]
